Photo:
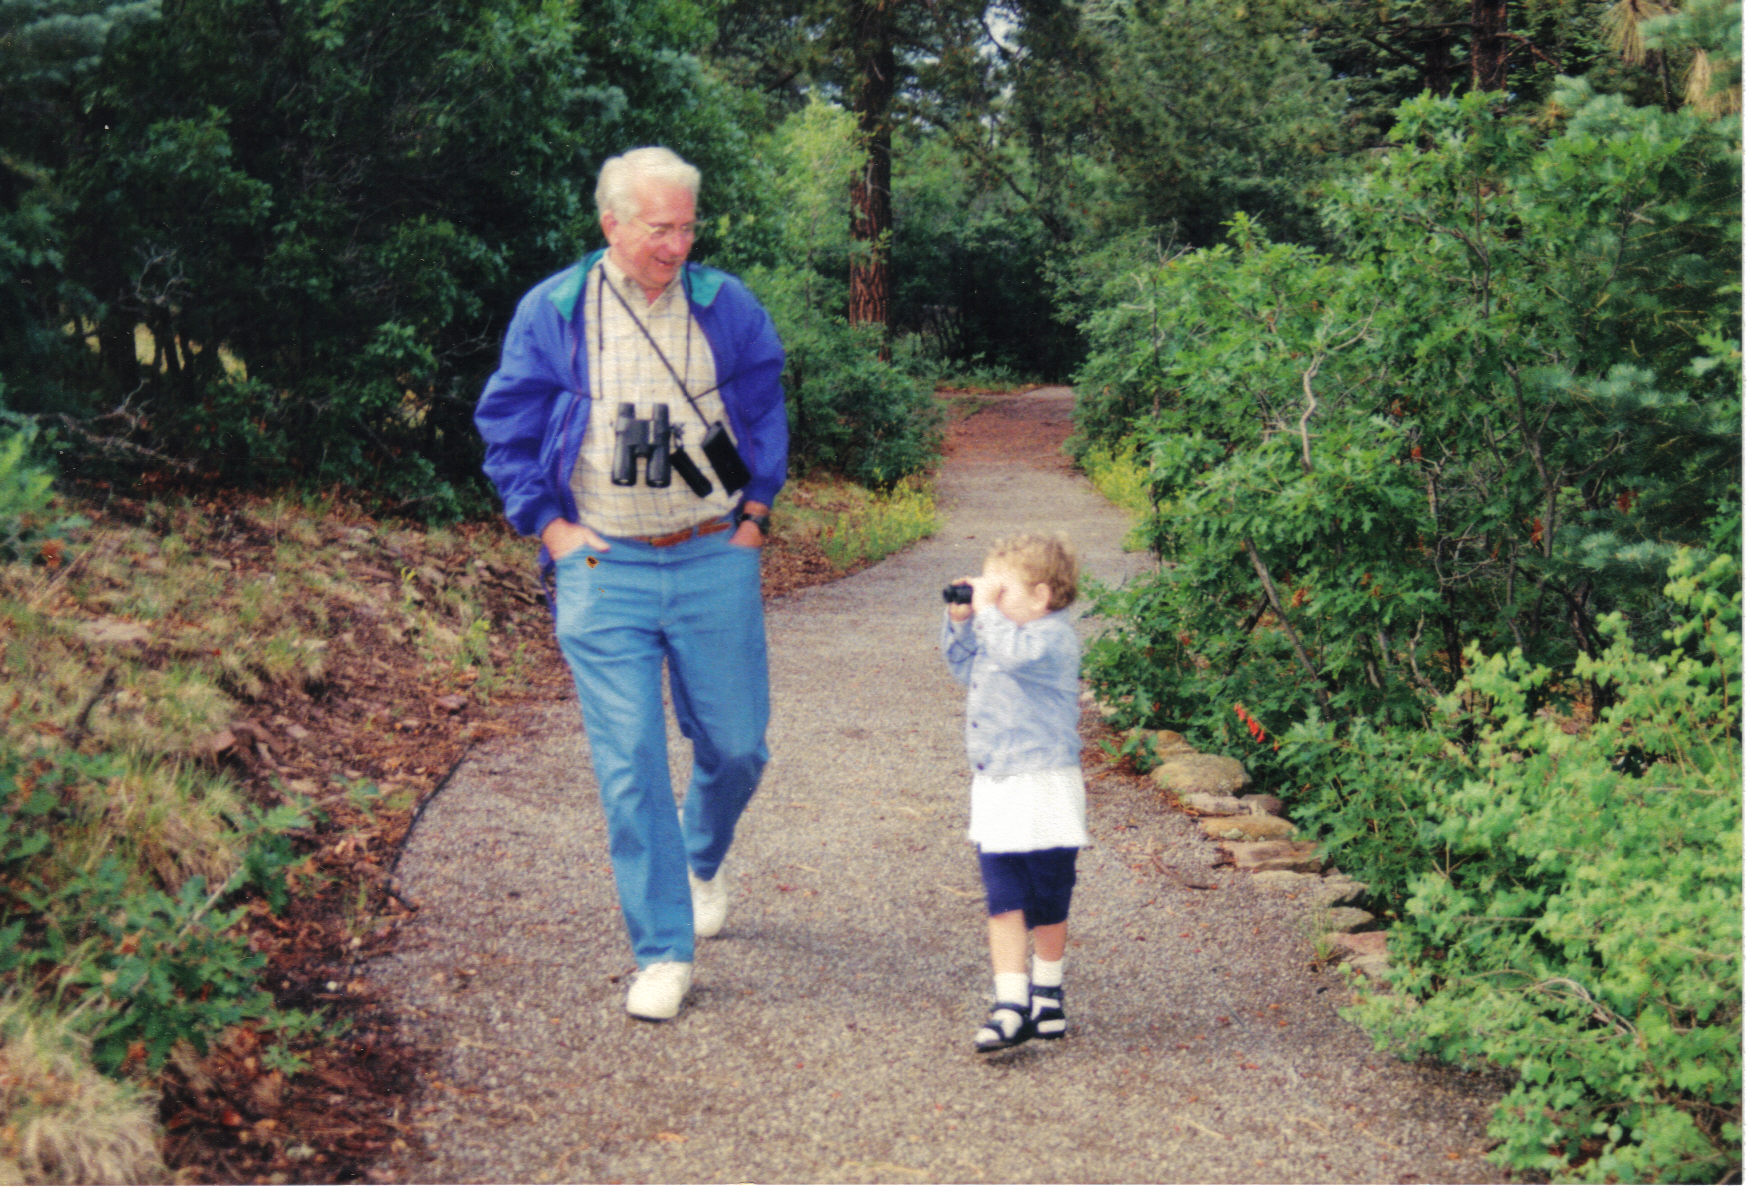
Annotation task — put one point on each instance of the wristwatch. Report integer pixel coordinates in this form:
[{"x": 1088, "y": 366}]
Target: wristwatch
[{"x": 762, "y": 522}]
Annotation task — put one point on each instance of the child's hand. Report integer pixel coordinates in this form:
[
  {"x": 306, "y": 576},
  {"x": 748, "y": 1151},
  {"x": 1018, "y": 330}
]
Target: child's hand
[{"x": 961, "y": 611}]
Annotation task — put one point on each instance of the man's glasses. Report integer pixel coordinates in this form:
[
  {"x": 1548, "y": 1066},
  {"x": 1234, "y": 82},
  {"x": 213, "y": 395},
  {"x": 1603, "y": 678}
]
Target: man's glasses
[{"x": 664, "y": 232}]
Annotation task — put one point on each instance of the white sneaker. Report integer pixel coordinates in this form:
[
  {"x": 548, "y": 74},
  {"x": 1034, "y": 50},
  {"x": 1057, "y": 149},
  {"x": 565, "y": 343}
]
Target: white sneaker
[
  {"x": 658, "y": 991},
  {"x": 711, "y": 904}
]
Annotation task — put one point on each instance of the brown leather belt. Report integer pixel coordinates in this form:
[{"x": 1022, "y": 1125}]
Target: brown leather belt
[{"x": 719, "y": 524}]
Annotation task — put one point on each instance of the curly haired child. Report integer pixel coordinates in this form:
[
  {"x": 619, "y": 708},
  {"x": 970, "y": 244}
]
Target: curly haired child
[{"x": 1013, "y": 646}]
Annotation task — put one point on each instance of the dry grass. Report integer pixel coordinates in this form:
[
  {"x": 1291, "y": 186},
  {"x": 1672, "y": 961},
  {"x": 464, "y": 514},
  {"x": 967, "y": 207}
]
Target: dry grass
[
  {"x": 64, "y": 1123},
  {"x": 168, "y": 820},
  {"x": 129, "y": 651}
]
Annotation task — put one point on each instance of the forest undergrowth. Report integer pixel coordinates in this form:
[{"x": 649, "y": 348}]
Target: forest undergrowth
[{"x": 221, "y": 714}]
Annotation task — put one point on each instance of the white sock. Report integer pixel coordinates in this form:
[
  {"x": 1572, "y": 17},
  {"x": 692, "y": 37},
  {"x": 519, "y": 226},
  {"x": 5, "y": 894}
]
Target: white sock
[
  {"x": 1011, "y": 987},
  {"x": 1048, "y": 973},
  {"x": 1006, "y": 988}
]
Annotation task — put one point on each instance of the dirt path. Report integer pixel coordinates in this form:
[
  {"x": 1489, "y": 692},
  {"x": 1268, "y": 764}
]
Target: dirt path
[{"x": 828, "y": 1036}]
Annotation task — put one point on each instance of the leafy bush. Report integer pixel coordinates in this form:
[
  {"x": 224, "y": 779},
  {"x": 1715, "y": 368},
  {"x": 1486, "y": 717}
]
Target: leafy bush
[
  {"x": 265, "y": 282},
  {"x": 1416, "y": 505},
  {"x": 1575, "y": 900},
  {"x": 1493, "y": 421},
  {"x": 851, "y": 412},
  {"x": 27, "y": 505},
  {"x": 24, "y": 494}
]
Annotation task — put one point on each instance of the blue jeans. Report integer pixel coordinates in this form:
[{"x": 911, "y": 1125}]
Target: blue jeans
[{"x": 620, "y": 616}]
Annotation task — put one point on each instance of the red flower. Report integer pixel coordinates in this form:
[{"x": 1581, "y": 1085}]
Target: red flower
[{"x": 1254, "y": 727}]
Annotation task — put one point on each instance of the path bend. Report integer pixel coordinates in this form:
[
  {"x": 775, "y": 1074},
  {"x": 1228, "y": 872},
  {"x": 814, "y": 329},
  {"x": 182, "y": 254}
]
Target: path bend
[{"x": 828, "y": 1036}]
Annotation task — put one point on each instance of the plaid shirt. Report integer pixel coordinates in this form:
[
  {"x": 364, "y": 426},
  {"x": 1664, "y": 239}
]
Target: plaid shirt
[{"x": 627, "y": 370}]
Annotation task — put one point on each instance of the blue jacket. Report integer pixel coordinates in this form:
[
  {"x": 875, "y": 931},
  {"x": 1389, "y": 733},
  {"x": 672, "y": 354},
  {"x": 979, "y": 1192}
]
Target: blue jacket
[
  {"x": 1022, "y": 682},
  {"x": 533, "y": 411}
]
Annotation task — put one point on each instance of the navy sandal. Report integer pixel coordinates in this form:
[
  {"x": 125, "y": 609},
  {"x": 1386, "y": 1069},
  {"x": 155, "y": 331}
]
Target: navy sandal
[
  {"x": 1047, "y": 1011},
  {"x": 999, "y": 1038}
]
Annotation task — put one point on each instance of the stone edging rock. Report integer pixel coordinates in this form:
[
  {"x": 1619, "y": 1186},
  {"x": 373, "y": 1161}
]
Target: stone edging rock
[{"x": 1254, "y": 835}]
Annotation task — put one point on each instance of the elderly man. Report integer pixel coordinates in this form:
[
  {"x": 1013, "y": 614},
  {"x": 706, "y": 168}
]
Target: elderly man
[{"x": 637, "y": 425}]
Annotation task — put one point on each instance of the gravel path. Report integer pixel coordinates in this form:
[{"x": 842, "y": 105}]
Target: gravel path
[{"x": 828, "y": 1036}]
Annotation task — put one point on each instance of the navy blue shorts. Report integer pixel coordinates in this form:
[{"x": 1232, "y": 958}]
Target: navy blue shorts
[{"x": 1038, "y": 884}]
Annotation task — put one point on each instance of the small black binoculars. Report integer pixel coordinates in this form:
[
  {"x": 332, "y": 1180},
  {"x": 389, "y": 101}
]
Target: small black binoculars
[
  {"x": 659, "y": 444},
  {"x": 637, "y": 439},
  {"x": 958, "y": 592}
]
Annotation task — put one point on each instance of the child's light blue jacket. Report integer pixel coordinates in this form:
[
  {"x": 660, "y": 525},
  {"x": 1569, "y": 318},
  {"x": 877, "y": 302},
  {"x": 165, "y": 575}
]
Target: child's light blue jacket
[{"x": 1022, "y": 682}]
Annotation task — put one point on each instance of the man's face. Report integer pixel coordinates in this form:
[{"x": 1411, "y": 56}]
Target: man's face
[{"x": 652, "y": 245}]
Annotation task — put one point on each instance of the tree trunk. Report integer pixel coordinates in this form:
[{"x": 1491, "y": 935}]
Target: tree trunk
[
  {"x": 1491, "y": 49},
  {"x": 1436, "y": 66},
  {"x": 873, "y": 50},
  {"x": 116, "y": 351}
]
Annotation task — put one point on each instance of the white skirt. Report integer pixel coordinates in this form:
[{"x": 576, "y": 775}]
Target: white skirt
[{"x": 1024, "y": 812}]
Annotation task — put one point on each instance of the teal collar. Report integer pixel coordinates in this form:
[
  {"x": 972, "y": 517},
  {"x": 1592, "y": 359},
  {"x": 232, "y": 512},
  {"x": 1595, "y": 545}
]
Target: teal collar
[{"x": 702, "y": 284}]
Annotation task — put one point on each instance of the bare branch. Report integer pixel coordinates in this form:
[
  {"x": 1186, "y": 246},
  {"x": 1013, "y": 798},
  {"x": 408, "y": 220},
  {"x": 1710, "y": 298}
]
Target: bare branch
[
  {"x": 1289, "y": 629},
  {"x": 1318, "y": 358},
  {"x": 1309, "y": 410},
  {"x": 1412, "y": 658},
  {"x": 1573, "y": 989},
  {"x": 128, "y": 444}
]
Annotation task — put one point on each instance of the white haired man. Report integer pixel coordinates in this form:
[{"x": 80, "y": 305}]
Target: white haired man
[{"x": 636, "y": 424}]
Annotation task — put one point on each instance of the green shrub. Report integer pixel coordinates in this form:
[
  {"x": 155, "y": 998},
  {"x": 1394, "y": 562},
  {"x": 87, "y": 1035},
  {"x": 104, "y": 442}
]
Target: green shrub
[
  {"x": 1415, "y": 505},
  {"x": 145, "y": 969},
  {"x": 1363, "y": 798},
  {"x": 851, "y": 412},
  {"x": 1575, "y": 901},
  {"x": 888, "y": 523},
  {"x": 27, "y": 512},
  {"x": 1494, "y": 418},
  {"x": 1120, "y": 477}
]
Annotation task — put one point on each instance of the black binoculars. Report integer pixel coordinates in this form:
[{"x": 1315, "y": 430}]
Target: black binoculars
[
  {"x": 958, "y": 592},
  {"x": 659, "y": 445},
  {"x": 637, "y": 439}
]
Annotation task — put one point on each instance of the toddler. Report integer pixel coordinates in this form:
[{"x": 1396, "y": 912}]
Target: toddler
[{"x": 1013, "y": 646}]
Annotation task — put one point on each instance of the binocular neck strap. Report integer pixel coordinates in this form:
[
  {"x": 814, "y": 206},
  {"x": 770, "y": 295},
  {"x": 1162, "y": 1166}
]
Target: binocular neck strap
[{"x": 681, "y": 385}]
